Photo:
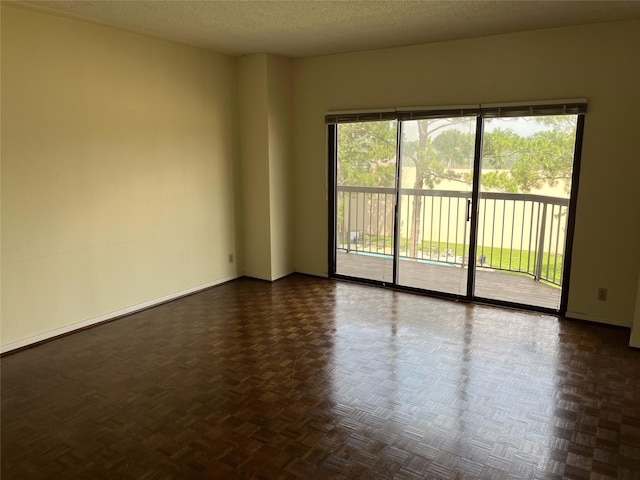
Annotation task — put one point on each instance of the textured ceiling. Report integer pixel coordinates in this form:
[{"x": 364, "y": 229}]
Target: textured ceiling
[{"x": 308, "y": 28}]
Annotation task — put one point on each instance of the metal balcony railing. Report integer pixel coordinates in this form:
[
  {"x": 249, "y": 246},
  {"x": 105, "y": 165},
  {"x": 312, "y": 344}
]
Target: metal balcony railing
[{"x": 522, "y": 233}]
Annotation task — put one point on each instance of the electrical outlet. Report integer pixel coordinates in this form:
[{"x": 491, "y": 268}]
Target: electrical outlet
[
  {"x": 231, "y": 258},
  {"x": 602, "y": 294}
]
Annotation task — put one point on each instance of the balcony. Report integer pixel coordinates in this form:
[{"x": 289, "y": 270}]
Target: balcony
[{"x": 520, "y": 247}]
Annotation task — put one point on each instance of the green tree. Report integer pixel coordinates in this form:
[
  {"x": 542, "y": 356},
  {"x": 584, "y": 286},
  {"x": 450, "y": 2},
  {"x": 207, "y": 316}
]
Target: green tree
[
  {"x": 523, "y": 163},
  {"x": 454, "y": 148},
  {"x": 366, "y": 154}
]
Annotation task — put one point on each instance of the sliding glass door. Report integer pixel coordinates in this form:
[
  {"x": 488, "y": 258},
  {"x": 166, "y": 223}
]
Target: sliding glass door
[
  {"x": 435, "y": 203},
  {"x": 472, "y": 202},
  {"x": 525, "y": 185},
  {"x": 365, "y": 199}
]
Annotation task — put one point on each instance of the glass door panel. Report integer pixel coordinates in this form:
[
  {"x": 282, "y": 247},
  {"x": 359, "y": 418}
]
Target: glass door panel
[
  {"x": 435, "y": 194},
  {"x": 525, "y": 184},
  {"x": 365, "y": 199}
]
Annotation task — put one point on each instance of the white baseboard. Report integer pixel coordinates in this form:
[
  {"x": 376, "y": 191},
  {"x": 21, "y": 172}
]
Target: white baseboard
[
  {"x": 108, "y": 316},
  {"x": 593, "y": 318},
  {"x": 634, "y": 344}
]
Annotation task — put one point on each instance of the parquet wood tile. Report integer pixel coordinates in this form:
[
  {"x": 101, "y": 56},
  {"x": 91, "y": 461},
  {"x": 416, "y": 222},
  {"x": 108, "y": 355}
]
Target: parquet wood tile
[{"x": 312, "y": 378}]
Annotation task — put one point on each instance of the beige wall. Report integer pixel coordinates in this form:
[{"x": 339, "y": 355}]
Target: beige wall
[
  {"x": 266, "y": 127},
  {"x": 599, "y": 62},
  {"x": 254, "y": 154},
  {"x": 280, "y": 86},
  {"x": 117, "y": 172}
]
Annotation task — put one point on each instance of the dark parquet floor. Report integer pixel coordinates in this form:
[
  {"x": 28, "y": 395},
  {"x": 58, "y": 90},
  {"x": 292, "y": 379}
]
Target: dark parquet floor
[{"x": 312, "y": 378}]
